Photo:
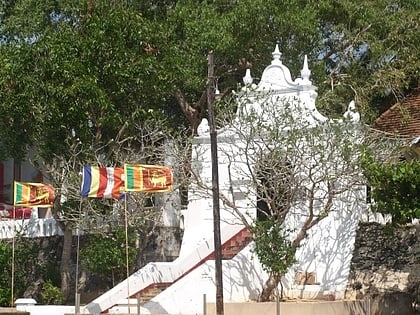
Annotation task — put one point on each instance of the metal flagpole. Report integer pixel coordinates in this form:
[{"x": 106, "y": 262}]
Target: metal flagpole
[
  {"x": 13, "y": 256},
  {"x": 126, "y": 253},
  {"x": 77, "y": 294}
]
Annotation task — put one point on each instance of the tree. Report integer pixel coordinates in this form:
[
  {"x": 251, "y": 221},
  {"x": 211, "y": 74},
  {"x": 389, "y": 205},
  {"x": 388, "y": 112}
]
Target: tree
[
  {"x": 129, "y": 57},
  {"x": 23, "y": 268},
  {"x": 76, "y": 87},
  {"x": 273, "y": 248},
  {"x": 394, "y": 187},
  {"x": 74, "y": 79},
  {"x": 352, "y": 47},
  {"x": 97, "y": 59},
  {"x": 105, "y": 254}
]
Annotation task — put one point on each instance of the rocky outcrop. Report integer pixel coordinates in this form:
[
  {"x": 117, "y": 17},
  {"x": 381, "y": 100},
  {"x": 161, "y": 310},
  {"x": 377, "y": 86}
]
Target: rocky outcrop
[
  {"x": 385, "y": 260},
  {"x": 392, "y": 303}
]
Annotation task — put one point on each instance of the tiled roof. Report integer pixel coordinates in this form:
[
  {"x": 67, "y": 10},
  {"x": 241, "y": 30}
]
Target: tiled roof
[{"x": 403, "y": 118}]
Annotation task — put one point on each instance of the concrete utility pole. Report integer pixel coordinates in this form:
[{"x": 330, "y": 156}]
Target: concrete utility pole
[{"x": 211, "y": 91}]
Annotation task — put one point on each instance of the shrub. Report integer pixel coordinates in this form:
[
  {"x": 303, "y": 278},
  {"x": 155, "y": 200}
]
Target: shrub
[{"x": 51, "y": 294}]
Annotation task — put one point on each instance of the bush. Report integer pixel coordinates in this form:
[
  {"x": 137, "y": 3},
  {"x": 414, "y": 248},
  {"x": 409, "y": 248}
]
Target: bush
[
  {"x": 395, "y": 188},
  {"x": 51, "y": 294}
]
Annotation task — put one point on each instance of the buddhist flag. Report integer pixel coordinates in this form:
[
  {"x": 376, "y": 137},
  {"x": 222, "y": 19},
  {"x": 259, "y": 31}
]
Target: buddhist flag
[
  {"x": 33, "y": 195},
  {"x": 101, "y": 182},
  {"x": 147, "y": 178}
]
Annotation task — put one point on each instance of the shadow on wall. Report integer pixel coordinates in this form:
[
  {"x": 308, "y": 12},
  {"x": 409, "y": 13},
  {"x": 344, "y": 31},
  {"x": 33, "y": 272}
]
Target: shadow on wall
[
  {"x": 243, "y": 276},
  {"x": 336, "y": 258},
  {"x": 393, "y": 303},
  {"x": 328, "y": 250}
]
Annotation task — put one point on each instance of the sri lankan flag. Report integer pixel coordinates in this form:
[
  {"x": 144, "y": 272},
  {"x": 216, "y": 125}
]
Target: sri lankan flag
[
  {"x": 147, "y": 178},
  {"x": 33, "y": 194}
]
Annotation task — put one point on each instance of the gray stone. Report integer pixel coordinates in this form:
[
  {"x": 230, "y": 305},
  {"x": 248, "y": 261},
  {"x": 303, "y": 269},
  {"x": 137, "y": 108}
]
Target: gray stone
[{"x": 394, "y": 303}]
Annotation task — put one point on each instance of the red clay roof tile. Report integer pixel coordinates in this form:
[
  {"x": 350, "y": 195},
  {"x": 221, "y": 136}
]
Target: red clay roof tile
[{"x": 402, "y": 118}]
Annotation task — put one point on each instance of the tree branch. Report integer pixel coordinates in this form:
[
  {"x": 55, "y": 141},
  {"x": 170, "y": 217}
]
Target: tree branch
[{"x": 193, "y": 112}]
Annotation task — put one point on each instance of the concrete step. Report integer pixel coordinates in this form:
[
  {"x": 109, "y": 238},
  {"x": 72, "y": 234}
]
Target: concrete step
[
  {"x": 229, "y": 250},
  {"x": 150, "y": 292}
]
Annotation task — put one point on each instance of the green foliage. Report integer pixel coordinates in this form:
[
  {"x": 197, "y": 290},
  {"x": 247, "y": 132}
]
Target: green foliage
[
  {"x": 51, "y": 294},
  {"x": 84, "y": 74},
  {"x": 50, "y": 271},
  {"x": 5, "y": 274},
  {"x": 25, "y": 264},
  {"x": 90, "y": 67},
  {"x": 106, "y": 254},
  {"x": 272, "y": 246},
  {"x": 395, "y": 188},
  {"x": 5, "y": 295}
]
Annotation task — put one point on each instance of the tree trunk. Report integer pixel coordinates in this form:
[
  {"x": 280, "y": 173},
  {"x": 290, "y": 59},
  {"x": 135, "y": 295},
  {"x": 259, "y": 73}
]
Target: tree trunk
[
  {"x": 65, "y": 263},
  {"x": 272, "y": 282},
  {"x": 193, "y": 112}
]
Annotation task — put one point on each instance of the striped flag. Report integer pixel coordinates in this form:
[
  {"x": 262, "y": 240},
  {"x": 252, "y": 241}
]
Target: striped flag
[
  {"x": 101, "y": 182},
  {"x": 33, "y": 194},
  {"x": 147, "y": 178}
]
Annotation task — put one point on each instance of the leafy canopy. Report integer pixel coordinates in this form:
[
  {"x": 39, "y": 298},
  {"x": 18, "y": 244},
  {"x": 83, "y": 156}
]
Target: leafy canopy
[
  {"x": 89, "y": 67},
  {"x": 105, "y": 254},
  {"x": 273, "y": 246},
  {"x": 395, "y": 188}
]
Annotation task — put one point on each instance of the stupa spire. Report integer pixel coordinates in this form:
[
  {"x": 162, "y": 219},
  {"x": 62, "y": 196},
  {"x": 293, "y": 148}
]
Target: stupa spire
[
  {"x": 276, "y": 56},
  {"x": 305, "y": 73},
  {"x": 247, "y": 78}
]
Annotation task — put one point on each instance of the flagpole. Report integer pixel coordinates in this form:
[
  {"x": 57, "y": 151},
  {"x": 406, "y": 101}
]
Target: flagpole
[
  {"x": 76, "y": 290},
  {"x": 126, "y": 253},
  {"x": 215, "y": 187},
  {"x": 13, "y": 256}
]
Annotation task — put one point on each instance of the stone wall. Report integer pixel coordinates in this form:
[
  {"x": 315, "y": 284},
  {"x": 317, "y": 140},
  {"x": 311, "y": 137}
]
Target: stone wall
[
  {"x": 164, "y": 245},
  {"x": 385, "y": 260}
]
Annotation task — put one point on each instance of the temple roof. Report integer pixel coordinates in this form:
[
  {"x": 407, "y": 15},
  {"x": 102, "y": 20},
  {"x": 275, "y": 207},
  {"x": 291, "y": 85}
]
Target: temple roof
[
  {"x": 276, "y": 76},
  {"x": 403, "y": 118}
]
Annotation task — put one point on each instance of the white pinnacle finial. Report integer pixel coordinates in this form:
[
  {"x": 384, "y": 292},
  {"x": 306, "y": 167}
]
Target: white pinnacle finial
[
  {"x": 203, "y": 128},
  {"x": 247, "y": 78},
  {"x": 217, "y": 92},
  {"x": 305, "y": 72},
  {"x": 276, "y": 55},
  {"x": 351, "y": 113}
]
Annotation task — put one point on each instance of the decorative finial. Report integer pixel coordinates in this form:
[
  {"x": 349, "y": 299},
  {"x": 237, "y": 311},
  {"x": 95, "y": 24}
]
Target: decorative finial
[
  {"x": 247, "y": 78},
  {"x": 217, "y": 92},
  {"x": 351, "y": 113},
  {"x": 305, "y": 72},
  {"x": 203, "y": 128},
  {"x": 276, "y": 55}
]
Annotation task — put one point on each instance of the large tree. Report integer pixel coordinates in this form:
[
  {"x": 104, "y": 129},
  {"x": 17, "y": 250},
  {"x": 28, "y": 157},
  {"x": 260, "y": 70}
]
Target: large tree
[
  {"x": 79, "y": 85},
  {"x": 94, "y": 59},
  {"x": 365, "y": 51}
]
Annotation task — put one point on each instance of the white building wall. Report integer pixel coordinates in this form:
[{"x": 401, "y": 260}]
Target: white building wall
[
  {"x": 29, "y": 228},
  {"x": 327, "y": 250}
]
